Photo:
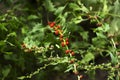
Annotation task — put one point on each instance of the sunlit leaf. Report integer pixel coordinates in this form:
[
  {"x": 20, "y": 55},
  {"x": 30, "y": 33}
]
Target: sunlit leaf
[
  {"x": 89, "y": 56},
  {"x": 113, "y": 58},
  {"x": 49, "y": 5},
  {"x": 74, "y": 6},
  {"x": 32, "y": 17},
  {"x": 59, "y": 10},
  {"x": 21, "y": 78}
]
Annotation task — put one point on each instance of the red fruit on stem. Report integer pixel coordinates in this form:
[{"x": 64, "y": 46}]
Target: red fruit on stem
[
  {"x": 61, "y": 36},
  {"x": 67, "y": 42},
  {"x": 51, "y": 24},
  {"x": 58, "y": 26},
  {"x": 61, "y": 39},
  {"x": 67, "y": 51},
  {"x": 56, "y": 32},
  {"x": 67, "y": 39},
  {"x": 72, "y": 53},
  {"x": 63, "y": 44}
]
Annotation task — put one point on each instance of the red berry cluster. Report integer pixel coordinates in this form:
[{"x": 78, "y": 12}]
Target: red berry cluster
[
  {"x": 70, "y": 51},
  {"x": 58, "y": 32},
  {"x": 64, "y": 43},
  {"x": 51, "y": 24}
]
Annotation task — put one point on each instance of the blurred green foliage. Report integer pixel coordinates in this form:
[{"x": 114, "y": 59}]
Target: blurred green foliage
[{"x": 25, "y": 22}]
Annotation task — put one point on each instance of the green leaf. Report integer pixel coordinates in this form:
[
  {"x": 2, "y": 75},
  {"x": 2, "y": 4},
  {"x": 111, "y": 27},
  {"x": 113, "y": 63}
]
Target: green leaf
[
  {"x": 100, "y": 41},
  {"x": 9, "y": 53},
  {"x": 6, "y": 71},
  {"x": 113, "y": 58},
  {"x": 2, "y": 43},
  {"x": 77, "y": 20},
  {"x": 47, "y": 44},
  {"x": 84, "y": 35},
  {"x": 101, "y": 35},
  {"x": 104, "y": 28},
  {"x": 22, "y": 77},
  {"x": 59, "y": 10},
  {"x": 2, "y": 26},
  {"x": 24, "y": 30},
  {"x": 32, "y": 17},
  {"x": 70, "y": 67},
  {"x": 74, "y": 6},
  {"x": 12, "y": 34},
  {"x": 79, "y": 7},
  {"x": 49, "y": 5},
  {"x": 89, "y": 56}
]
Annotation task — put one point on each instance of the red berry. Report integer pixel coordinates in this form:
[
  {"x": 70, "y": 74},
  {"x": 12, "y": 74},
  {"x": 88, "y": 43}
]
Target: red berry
[
  {"x": 51, "y": 24},
  {"x": 61, "y": 39},
  {"x": 63, "y": 44},
  {"x": 58, "y": 26},
  {"x": 61, "y": 36},
  {"x": 67, "y": 42},
  {"x": 67, "y": 39},
  {"x": 72, "y": 53},
  {"x": 56, "y": 32},
  {"x": 67, "y": 51}
]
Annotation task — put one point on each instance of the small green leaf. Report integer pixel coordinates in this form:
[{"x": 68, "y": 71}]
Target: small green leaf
[
  {"x": 9, "y": 53},
  {"x": 84, "y": 35},
  {"x": 70, "y": 67},
  {"x": 6, "y": 71},
  {"x": 59, "y": 10},
  {"x": 74, "y": 6},
  {"x": 113, "y": 58},
  {"x": 12, "y": 34},
  {"x": 32, "y": 17},
  {"x": 2, "y": 26},
  {"x": 22, "y": 77},
  {"x": 89, "y": 56},
  {"x": 47, "y": 44},
  {"x": 49, "y": 5},
  {"x": 57, "y": 45},
  {"x": 2, "y": 43}
]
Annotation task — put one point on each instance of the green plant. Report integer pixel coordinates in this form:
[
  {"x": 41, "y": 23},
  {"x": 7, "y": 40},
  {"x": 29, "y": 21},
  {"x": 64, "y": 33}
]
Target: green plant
[{"x": 79, "y": 36}]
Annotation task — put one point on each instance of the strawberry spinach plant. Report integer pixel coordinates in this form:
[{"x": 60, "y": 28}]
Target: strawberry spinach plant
[{"x": 54, "y": 39}]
